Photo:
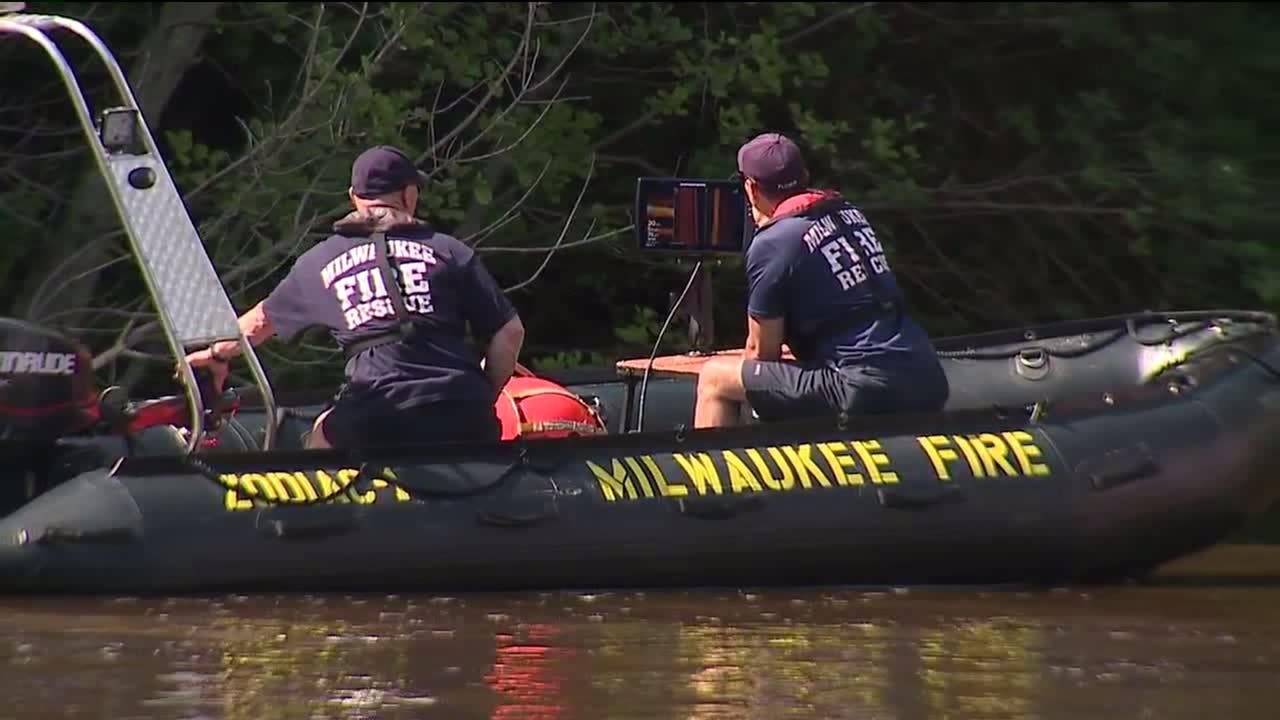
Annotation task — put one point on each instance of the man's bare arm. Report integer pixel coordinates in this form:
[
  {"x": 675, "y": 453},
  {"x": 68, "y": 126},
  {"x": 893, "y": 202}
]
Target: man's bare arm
[
  {"x": 256, "y": 327},
  {"x": 504, "y": 348},
  {"x": 764, "y": 339}
]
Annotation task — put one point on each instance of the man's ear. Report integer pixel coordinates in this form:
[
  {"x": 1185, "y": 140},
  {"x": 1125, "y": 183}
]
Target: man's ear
[{"x": 351, "y": 193}]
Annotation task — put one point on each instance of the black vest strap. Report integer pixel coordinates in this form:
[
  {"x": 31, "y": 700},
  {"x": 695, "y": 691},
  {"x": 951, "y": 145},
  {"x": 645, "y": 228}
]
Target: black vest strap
[{"x": 404, "y": 323}]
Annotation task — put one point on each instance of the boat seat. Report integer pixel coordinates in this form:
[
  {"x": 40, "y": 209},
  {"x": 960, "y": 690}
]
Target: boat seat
[
  {"x": 235, "y": 437},
  {"x": 159, "y": 440},
  {"x": 170, "y": 440}
]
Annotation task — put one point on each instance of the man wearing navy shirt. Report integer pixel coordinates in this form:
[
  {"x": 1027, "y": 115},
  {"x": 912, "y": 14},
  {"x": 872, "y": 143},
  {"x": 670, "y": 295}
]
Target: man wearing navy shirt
[
  {"x": 411, "y": 377},
  {"x": 818, "y": 281}
]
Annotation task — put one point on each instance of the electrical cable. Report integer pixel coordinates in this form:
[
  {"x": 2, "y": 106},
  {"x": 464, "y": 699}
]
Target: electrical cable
[{"x": 648, "y": 368}]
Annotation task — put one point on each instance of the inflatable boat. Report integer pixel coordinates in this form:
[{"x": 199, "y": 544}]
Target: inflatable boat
[
  {"x": 1135, "y": 440},
  {"x": 1073, "y": 452}
]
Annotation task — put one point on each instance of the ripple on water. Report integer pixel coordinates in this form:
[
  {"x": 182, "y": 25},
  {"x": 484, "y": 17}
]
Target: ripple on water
[{"x": 1056, "y": 655}]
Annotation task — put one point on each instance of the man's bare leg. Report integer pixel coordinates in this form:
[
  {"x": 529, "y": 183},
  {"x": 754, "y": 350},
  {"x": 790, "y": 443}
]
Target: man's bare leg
[
  {"x": 720, "y": 393},
  {"x": 317, "y": 440}
]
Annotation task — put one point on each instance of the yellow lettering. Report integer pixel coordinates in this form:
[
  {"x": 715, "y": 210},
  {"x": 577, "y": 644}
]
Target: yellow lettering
[
  {"x": 255, "y": 485},
  {"x": 328, "y": 488},
  {"x": 740, "y": 477},
  {"x": 987, "y": 454},
  {"x": 289, "y": 487},
  {"x": 998, "y": 453},
  {"x": 277, "y": 488},
  {"x": 939, "y": 454},
  {"x": 307, "y": 486},
  {"x": 851, "y": 463},
  {"x": 243, "y": 492},
  {"x": 346, "y": 476},
  {"x": 701, "y": 471},
  {"x": 786, "y": 482},
  {"x": 801, "y": 459},
  {"x": 873, "y": 458},
  {"x": 840, "y": 464},
  {"x": 614, "y": 485},
  {"x": 401, "y": 494},
  {"x": 381, "y": 484},
  {"x": 971, "y": 456},
  {"x": 991, "y": 456},
  {"x": 639, "y": 473},
  {"x": 1024, "y": 449},
  {"x": 665, "y": 488},
  {"x": 233, "y": 500}
]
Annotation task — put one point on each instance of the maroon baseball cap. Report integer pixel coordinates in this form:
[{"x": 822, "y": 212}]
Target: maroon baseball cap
[
  {"x": 774, "y": 161},
  {"x": 383, "y": 170}
]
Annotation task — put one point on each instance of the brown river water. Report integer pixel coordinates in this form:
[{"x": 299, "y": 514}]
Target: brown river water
[{"x": 1201, "y": 641}]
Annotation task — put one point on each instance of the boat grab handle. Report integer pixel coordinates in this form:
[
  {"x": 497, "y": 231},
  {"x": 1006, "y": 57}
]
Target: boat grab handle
[
  {"x": 313, "y": 523},
  {"x": 521, "y": 514},
  {"x": 58, "y": 535},
  {"x": 904, "y": 499},
  {"x": 1118, "y": 467},
  {"x": 719, "y": 508}
]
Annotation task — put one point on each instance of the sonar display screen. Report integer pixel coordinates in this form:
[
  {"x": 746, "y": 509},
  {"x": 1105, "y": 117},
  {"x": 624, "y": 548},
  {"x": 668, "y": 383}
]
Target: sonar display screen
[{"x": 691, "y": 216}]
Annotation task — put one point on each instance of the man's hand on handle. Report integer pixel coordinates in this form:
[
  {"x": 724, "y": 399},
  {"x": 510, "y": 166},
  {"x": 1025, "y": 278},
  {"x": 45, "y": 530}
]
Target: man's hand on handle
[{"x": 219, "y": 368}]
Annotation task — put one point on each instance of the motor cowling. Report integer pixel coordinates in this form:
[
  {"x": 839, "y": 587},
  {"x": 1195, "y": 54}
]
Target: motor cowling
[
  {"x": 535, "y": 407},
  {"x": 46, "y": 383}
]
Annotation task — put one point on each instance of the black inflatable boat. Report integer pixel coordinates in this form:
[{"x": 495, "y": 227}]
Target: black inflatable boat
[
  {"x": 1141, "y": 440},
  {"x": 1071, "y": 452}
]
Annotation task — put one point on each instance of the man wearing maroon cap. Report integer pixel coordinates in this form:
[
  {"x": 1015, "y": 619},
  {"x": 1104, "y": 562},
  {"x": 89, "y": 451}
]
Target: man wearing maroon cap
[
  {"x": 818, "y": 281},
  {"x": 398, "y": 298}
]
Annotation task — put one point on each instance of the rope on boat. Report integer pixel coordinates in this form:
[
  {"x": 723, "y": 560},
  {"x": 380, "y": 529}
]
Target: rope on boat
[
  {"x": 1268, "y": 367},
  {"x": 362, "y": 482},
  {"x": 1130, "y": 330}
]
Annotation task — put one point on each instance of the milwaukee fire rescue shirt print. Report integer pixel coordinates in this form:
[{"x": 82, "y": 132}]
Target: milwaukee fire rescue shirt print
[
  {"x": 337, "y": 284},
  {"x": 811, "y": 271}
]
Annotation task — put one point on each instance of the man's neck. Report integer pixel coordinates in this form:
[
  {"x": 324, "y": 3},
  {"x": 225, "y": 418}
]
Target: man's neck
[
  {"x": 391, "y": 212},
  {"x": 366, "y": 206}
]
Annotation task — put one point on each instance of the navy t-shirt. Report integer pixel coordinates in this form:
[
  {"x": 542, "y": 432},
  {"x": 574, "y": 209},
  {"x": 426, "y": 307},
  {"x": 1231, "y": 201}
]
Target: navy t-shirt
[
  {"x": 337, "y": 284},
  {"x": 808, "y": 269}
]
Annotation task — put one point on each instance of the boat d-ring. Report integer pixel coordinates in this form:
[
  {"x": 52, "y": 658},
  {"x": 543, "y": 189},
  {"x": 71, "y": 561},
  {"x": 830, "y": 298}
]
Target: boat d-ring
[{"x": 1032, "y": 363}]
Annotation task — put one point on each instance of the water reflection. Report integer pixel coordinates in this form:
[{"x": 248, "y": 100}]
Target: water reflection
[
  {"x": 1123, "y": 652},
  {"x": 987, "y": 669},
  {"x": 528, "y": 674},
  {"x": 786, "y": 670}
]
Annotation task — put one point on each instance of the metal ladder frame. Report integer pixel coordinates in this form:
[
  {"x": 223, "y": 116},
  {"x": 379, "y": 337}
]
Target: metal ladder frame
[{"x": 189, "y": 298}]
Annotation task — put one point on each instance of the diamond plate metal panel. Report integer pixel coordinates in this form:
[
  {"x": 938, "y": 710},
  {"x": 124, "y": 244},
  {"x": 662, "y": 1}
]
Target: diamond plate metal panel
[{"x": 187, "y": 286}]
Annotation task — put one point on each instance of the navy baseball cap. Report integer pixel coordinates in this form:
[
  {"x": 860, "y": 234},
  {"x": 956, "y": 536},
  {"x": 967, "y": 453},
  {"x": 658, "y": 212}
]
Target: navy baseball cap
[
  {"x": 774, "y": 161},
  {"x": 383, "y": 170}
]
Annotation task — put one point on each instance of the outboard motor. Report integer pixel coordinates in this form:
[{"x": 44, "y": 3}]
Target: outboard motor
[
  {"x": 46, "y": 384},
  {"x": 46, "y": 392}
]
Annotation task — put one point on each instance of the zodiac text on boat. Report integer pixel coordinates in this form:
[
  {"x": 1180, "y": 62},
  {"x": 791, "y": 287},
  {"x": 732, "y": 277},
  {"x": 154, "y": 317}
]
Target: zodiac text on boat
[
  {"x": 245, "y": 491},
  {"x": 813, "y": 466}
]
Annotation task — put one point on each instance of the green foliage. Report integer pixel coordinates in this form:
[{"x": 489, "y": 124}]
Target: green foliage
[
  {"x": 568, "y": 360},
  {"x": 1021, "y": 161}
]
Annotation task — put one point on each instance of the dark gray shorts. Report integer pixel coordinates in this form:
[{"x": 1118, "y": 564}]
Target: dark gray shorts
[
  {"x": 363, "y": 421},
  {"x": 784, "y": 389}
]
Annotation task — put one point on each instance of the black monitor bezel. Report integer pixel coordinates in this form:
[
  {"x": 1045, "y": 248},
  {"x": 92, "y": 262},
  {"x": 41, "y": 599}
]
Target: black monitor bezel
[{"x": 644, "y": 188}]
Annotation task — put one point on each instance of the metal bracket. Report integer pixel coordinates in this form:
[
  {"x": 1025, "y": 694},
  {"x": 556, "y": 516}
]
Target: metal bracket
[{"x": 190, "y": 301}]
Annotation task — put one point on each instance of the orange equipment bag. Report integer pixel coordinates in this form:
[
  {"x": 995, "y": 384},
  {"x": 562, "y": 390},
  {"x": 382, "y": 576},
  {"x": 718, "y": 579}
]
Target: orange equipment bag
[{"x": 530, "y": 406}]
